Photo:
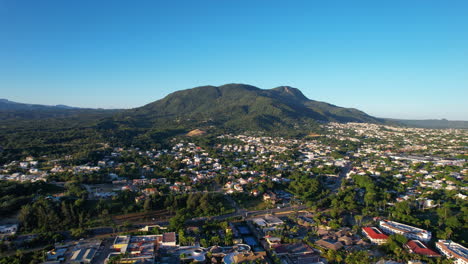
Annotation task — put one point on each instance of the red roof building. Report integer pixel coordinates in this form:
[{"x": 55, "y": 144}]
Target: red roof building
[
  {"x": 418, "y": 247},
  {"x": 375, "y": 235}
]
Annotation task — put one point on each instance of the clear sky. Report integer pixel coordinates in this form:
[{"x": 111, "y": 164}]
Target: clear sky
[{"x": 401, "y": 59}]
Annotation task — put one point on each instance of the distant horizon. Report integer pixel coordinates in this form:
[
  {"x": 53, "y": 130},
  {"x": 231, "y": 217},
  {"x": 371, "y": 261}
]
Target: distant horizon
[
  {"x": 401, "y": 59},
  {"x": 127, "y": 108}
]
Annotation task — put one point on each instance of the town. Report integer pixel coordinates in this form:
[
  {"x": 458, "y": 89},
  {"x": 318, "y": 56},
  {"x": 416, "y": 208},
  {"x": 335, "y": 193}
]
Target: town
[{"x": 358, "y": 193}]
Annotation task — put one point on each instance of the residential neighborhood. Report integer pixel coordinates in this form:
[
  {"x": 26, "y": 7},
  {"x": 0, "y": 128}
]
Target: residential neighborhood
[{"x": 362, "y": 191}]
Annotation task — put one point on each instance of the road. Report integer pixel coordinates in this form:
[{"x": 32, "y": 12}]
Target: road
[{"x": 342, "y": 175}]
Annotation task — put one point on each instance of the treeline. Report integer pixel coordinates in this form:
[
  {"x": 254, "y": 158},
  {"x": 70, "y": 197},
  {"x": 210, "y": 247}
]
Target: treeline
[
  {"x": 49, "y": 215},
  {"x": 13, "y": 195},
  {"x": 46, "y": 215},
  {"x": 196, "y": 204}
]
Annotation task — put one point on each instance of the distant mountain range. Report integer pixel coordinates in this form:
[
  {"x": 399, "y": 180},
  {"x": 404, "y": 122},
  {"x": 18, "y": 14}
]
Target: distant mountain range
[
  {"x": 11, "y": 111},
  {"x": 10, "y": 105}
]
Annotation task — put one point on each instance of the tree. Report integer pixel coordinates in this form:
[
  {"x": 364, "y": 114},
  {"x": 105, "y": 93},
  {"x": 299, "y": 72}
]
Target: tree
[
  {"x": 178, "y": 221},
  {"x": 358, "y": 219},
  {"x": 204, "y": 243},
  {"x": 215, "y": 240},
  {"x": 448, "y": 232},
  {"x": 427, "y": 223},
  {"x": 78, "y": 232},
  {"x": 147, "y": 206}
]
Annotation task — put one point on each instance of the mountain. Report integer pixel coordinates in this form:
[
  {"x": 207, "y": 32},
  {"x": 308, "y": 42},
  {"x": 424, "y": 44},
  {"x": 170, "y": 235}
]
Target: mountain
[
  {"x": 10, "y": 105},
  {"x": 13, "y": 111},
  {"x": 240, "y": 107}
]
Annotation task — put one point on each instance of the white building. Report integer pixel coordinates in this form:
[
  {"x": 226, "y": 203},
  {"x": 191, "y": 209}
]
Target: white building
[
  {"x": 8, "y": 229},
  {"x": 410, "y": 232},
  {"x": 454, "y": 251}
]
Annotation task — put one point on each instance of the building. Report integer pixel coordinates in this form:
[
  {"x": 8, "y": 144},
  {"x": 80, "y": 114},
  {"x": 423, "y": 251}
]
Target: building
[
  {"x": 296, "y": 249},
  {"x": 329, "y": 244},
  {"x": 143, "y": 247},
  {"x": 418, "y": 247},
  {"x": 7, "y": 230},
  {"x": 169, "y": 239},
  {"x": 249, "y": 257},
  {"x": 272, "y": 241},
  {"x": 84, "y": 255},
  {"x": 121, "y": 243},
  {"x": 453, "y": 251},
  {"x": 375, "y": 235},
  {"x": 57, "y": 254},
  {"x": 410, "y": 232}
]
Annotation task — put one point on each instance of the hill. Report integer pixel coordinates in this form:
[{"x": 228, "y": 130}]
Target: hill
[
  {"x": 240, "y": 107},
  {"x": 10, "y": 105},
  {"x": 13, "y": 111}
]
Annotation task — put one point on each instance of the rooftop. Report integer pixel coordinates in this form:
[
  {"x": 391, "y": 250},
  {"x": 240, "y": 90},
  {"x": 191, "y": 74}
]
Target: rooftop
[
  {"x": 420, "y": 248},
  {"x": 458, "y": 251},
  {"x": 374, "y": 233},
  {"x": 402, "y": 227}
]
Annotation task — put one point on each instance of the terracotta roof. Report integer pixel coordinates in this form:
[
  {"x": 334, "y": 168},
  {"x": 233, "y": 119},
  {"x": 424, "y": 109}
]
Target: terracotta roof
[
  {"x": 169, "y": 237},
  {"x": 420, "y": 248},
  {"x": 374, "y": 233}
]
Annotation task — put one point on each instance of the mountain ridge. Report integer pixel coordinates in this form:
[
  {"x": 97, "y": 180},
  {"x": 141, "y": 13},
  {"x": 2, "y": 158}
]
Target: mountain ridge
[
  {"x": 6, "y": 104},
  {"x": 242, "y": 107}
]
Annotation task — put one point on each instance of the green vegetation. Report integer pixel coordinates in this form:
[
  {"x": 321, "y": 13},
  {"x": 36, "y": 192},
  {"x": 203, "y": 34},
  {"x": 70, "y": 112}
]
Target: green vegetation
[{"x": 13, "y": 195}]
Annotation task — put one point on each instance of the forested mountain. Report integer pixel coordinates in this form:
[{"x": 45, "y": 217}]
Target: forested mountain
[{"x": 239, "y": 106}]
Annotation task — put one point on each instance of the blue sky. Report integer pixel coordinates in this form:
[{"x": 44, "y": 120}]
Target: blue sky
[{"x": 401, "y": 59}]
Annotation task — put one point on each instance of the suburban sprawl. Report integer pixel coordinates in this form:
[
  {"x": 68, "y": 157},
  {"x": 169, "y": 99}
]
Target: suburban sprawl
[{"x": 354, "y": 193}]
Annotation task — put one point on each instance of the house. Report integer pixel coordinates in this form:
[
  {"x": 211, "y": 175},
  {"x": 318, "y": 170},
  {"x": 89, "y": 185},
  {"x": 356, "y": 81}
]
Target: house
[
  {"x": 375, "y": 235},
  {"x": 270, "y": 196},
  {"x": 272, "y": 241},
  {"x": 273, "y": 221},
  {"x": 329, "y": 244},
  {"x": 268, "y": 223},
  {"x": 149, "y": 191}
]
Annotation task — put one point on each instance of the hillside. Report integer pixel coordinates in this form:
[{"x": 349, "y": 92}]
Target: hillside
[{"x": 240, "y": 107}]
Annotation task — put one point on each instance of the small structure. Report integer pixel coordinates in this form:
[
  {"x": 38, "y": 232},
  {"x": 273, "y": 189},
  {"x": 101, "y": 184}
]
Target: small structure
[
  {"x": 8, "y": 230},
  {"x": 329, "y": 244}
]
